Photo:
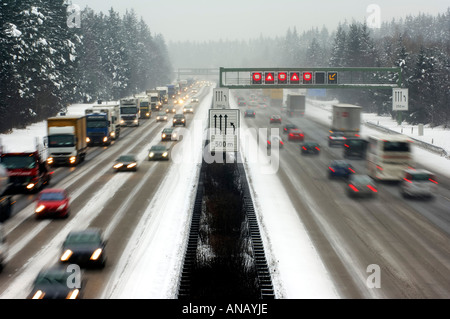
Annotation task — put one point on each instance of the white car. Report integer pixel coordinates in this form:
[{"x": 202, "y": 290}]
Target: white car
[
  {"x": 175, "y": 135},
  {"x": 194, "y": 100},
  {"x": 188, "y": 109},
  {"x": 418, "y": 183}
]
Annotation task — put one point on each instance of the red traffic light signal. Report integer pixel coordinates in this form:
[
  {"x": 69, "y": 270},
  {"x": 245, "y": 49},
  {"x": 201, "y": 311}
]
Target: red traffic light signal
[
  {"x": 307, "y": 77},
  {"x": 294, "y": 77},
  {"x": 256, "y": 78},
  {"x": 269, "y": 78},
  {"x": 282, "y": 77}
]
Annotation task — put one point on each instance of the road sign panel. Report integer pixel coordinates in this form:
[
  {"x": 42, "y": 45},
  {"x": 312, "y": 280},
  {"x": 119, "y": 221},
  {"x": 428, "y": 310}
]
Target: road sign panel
[
  {"x": 332, "y": 78},
  {"x": 221, "y": 98},
  {"x": 399, "y": 99},
  {"x": 224, "y": 130}
]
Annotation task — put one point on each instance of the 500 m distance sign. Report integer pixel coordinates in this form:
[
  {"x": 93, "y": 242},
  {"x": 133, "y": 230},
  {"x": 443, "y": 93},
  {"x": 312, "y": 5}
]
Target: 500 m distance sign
[{"x": 224, "y": 130}]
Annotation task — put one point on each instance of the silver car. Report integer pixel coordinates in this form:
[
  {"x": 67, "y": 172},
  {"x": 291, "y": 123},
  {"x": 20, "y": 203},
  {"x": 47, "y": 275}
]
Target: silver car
[
  {"x": 418, "y": 183},
  {"x": 361, "y": 185}
]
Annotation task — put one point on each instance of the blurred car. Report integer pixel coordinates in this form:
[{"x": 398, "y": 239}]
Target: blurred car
[
  {"x": 194, "y": 100},
  {"x": 355, "y": 147},
  {"x": 418, "y": 183},
  {"x": 262, "y": 104},
  {"x": 249, "y": 113},
  {"x": 340, "y": 168},
  {"x": 161, "y": 117},
  {"x": 275, "y": 119},
  {"x": 188, "y": 109},
  {"x": 84, "y": 248},
  {"x": 336, "y": 138},
  {"x": 171, "y": 109},
  {"x": 175, "y": 135},
  {"x": 52, "y": 202},
  {"x": 166, "y": 134},
  {"x": 273, "y": 140},
  {"x": 52, "y": 283},
  {"x": 126, "y": 162},
  {"x": 296, "y": 134},
  {"x": 3, "y": 247},
  {"x": 242, "y": 103},
  {"x": 289, "y": 126},
  {"x": 360, "y": 185},
  {"x": 179, "y": 119},
  {"x": 310, "y": 148},
  {"x": 158, "y": 152}
]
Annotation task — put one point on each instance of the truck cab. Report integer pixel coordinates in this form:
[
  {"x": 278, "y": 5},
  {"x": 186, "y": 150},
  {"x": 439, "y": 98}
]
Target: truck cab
[{"x": 27, "y": 172}]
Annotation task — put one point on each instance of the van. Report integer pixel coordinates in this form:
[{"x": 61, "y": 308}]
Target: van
[
  {"x": 418, "y": 183},
  {"x": 3, "y": 247}
]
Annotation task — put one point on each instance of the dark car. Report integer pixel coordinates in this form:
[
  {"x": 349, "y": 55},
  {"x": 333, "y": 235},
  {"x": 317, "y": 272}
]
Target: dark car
[
  {"x": 171, "y": 109},
  {"x": 355, "y": 147},
  {"x": 52, "y": 202},
  {"x": 296, "y": 135},
  {"x": 126, "y": 162},
  {"x": 288, "y": 127},
  {"x": 84, "y": 248},
  {"x": 242, "y": 103},
  {"x": 336, "y": 138},
  {"x": 158, "y": 152},
  {"x": 275, "y": 119},
  {"x": 340, "y": 168},
  {"x": 56, "y": 283},
  {"x": 361, "y": 185},
  {"x": 166, "y": 134},
  {"x": 179, "y": 119},
  {"x": 249, "y": 113},
  {"x": 310, "y": 148}
]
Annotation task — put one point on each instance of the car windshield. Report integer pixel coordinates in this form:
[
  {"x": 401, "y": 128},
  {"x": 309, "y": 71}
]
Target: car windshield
[
  {"x": 128, "y": 110},
  {"x": 361, "y": 179},
  {"x": 81, "y": 238},
  {"x": 54, "y": 277},
  {"x": 126, "y": 158},
  {"x": 61, "y": 141},
  {"x": 158, "y": 148},
  {"x": 52, "y": 196},
  {"x": 167, "y": 130},
  {"x": 420, "y": 176},
  {"x": 18, "y": 161},
  {"x": 178, "y": 116},
  {"x": 162, "y": 114}
]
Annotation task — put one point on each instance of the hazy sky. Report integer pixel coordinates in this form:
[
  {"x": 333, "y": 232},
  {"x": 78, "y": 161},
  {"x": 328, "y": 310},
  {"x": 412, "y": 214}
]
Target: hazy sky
[{"x": 203, "y": 20}]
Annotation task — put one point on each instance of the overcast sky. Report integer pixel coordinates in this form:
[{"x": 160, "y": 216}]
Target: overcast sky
[{"x": 204, "y": 20}]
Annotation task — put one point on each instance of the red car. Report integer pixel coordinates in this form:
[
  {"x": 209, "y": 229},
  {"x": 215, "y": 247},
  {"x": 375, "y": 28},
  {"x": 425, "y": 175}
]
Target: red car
[
  {"x": 296, "y": 135},
  {"x": 52, "y": 202}
]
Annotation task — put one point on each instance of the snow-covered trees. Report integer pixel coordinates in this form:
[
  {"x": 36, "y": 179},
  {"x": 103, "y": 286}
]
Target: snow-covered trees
[{"x": 47, "y": 62}]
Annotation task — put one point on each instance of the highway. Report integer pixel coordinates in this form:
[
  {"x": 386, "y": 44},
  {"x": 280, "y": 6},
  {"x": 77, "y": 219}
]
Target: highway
[{"x": 409, "y": 240}]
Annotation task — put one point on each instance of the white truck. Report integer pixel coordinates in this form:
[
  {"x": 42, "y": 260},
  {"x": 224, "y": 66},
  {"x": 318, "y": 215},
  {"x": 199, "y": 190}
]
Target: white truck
[
  {"x": 345, "y": 122},
  {"x": 155, "y": 99},
  {"x": 295, "y": 105},
  {"x": 163, "y": 94},
  {"x": 129, "y": 112},
  {"x": 66, "y": 140}
]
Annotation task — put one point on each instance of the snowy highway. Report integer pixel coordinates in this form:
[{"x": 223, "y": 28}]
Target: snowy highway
[{"x": 319, "y": 243}]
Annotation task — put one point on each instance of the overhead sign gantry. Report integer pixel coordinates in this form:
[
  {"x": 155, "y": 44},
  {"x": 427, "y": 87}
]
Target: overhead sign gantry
[{"x": 310, "y": 78}]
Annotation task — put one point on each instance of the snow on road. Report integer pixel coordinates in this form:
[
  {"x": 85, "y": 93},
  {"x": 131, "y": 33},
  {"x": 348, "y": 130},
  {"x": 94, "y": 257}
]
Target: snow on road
[{"x": 155, "y": 251}]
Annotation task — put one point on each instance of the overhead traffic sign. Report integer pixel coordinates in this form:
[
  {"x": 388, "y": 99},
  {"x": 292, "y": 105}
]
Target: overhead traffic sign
[
  {"x": 224, "y": 130},
  {"x": 221, "y": 98}
]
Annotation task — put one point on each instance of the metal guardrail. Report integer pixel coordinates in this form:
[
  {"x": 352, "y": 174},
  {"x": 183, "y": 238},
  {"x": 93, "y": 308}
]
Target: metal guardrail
[{"x": 427, "y": 146}]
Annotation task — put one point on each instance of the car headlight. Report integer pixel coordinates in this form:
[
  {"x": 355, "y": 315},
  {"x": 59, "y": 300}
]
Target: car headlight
[
  {"x": 38, "y": 295},
  {"x": 118, "y": 165},
  {"x": 40, "y": 208},
  {"x": 72, "y": 159},
  {"x": 50, "y": 160},
  {"x": 96, "y": 254},
  {"x": 151, "y": 154},
  {"x": 66, "y": 255},
  {"x": 165, "y": 154},
  {"x": 174, "y": 135},
  {"x": 105, "y": 139},
  {"x": 163, "y": 136},
  {"x": 131, "y": 165},
  {"x": 31, "y": 186},
  {"x": 113, "y": 134},
  {"x": 122, "y": 121},
  {"x": 73, "y": 294},
  {"x": 61, "y": 207},
  {"x": 88, "y": 139}
]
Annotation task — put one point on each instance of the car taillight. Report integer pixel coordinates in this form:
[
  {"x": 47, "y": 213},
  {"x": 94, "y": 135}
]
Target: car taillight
[
  {"x": 268, "y": 142},
  {"x": 304, "y": 148},
  {"x": 409, "y": 181},
  {"x": 346, "y": 145},
  {"x": 353, "y": 187},
  {"x": 351, "y": 170},
  {"x": 373, "y": 189},
  {"x": 281, "y": 142},
  {"x": 432, "y": 180},
  {"x": 317, "y": 148},
  {"x": 379, "y": 168},
  {"x": 290, "y": 134},
  {"x": 331, "y": 169}
]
